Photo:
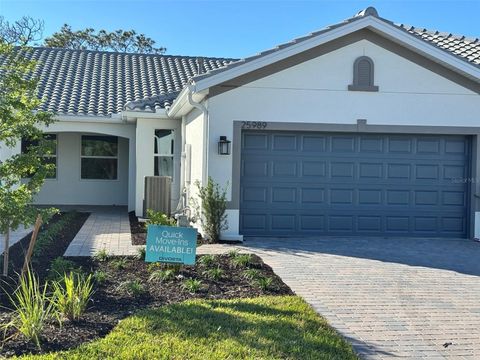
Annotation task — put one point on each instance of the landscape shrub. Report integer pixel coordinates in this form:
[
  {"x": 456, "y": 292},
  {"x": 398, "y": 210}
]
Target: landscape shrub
[
  {"x": 214, "y": 274},
  {"x": 154, "y": 266},
  {"x": 141, "y": 252},
  {"x": 242, "y": 260},
  {"x": 211, "y": 209},
  {"x": 207, "y": 260},
  {"x": 162, "y": 275},
  {"x": 159, "y": 218},
  {"x": 119, "y": 263},
  {"x": 101, "y": 255},
  {"x": 264, "y": 282},
  {"x": 251, "y": 274},
  {"x": 100, "y": 276},
  {"x": 233, "y": 253},
  {"x": 71, "y": 296},
  {"x": 60, "y": 266},
  {"x": 192, "y": 285},
  {"x": 174, "y": 267},
  {"x": 132, "y": 287}
]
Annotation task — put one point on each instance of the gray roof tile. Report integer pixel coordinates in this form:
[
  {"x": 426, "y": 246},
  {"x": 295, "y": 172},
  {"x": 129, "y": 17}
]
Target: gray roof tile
[
  {"x": 465, "y": 48},
  {"x": 83, "y": 82}
]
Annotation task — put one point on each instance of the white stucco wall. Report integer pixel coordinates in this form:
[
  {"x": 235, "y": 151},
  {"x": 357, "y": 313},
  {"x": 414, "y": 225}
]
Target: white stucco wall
[
  {"x": 145, "y": 131},
  {"x": 316, "y": 91},
  {"x": 69, "y": 189}
]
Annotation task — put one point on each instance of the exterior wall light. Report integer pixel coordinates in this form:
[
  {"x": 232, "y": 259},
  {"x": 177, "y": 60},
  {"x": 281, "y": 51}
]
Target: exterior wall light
[{"x": 224, "y": 146}]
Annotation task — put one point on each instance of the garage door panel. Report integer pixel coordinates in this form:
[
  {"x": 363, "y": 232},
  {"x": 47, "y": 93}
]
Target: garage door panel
[
  {"x": 284, "y": 143},
  {"x": 284, "y": 168},
  {"x": 428, "y": 145},
  {"x": 426, "y": 172},
  {"x": 370, "y": 224},
  {"x": 314, "y": 168},
  {"x": 455, "y": 225},
  {"x": 255, "y": 142},
  {"x": 371, "y": 144},
  {"x": 342, "y": 144},
  {"x": 255, "y": 168},
  {"x": 340, "y": 223},
  {"x": 312, "y": 195},
  {"x": 342, "y": 170},
  {"x": 312, "y": 143},
  {"x": 399, "y": 145},
  {"x": 312, "y": 223},
  {"x": 455, "y": 146},
  {"x": 347, "y": 184},
  {"x": 284, "y": 195}
]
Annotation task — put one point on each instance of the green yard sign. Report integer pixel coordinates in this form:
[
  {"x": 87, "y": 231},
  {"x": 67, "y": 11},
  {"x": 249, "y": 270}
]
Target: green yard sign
[{"x": 171, "y": 244}]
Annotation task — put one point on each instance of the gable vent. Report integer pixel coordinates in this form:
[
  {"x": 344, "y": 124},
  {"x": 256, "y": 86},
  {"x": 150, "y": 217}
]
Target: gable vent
[{"x": 363, "y": 75}]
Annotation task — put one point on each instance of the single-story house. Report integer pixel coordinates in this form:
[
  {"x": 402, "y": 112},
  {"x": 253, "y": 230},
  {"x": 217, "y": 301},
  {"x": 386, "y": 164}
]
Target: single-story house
[{"x": 366, "y": 127}]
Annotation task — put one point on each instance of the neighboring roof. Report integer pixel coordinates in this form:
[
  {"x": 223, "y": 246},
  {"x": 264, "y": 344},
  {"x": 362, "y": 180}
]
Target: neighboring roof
[
  {"x": 466, "y": 49},
  {"x": 84, "y": 82}
]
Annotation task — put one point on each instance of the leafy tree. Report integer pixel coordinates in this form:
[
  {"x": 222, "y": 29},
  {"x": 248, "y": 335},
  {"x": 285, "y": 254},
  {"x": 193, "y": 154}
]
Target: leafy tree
[
  {"x": 89, "y": 38},
  {"x": 21, "y": 32},
  {"x": 21, "y": 175}
]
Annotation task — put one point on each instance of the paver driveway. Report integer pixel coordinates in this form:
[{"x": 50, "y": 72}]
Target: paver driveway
[{"x": 392, "y": 298}]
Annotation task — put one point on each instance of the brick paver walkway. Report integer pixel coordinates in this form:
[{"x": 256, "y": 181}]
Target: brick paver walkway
[
  {"x": 106, "y": 228},
  {"x": 392, "y": 298}
]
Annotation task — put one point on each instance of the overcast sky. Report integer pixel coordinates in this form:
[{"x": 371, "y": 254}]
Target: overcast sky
[{"x": 236, "y": 28}]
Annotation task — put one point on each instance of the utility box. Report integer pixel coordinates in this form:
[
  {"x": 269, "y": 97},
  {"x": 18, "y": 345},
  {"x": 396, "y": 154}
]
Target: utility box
[{"x": 158, "y": 194}]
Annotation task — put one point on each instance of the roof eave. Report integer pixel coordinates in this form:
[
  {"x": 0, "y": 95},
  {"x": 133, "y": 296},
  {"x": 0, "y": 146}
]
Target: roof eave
[
  {"x": 181, "y": 106},
  {"x": 373, "y": 23}
]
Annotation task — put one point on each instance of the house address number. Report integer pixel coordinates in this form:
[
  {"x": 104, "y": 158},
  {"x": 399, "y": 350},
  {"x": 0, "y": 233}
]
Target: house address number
[{"x": 254, "y": 125}]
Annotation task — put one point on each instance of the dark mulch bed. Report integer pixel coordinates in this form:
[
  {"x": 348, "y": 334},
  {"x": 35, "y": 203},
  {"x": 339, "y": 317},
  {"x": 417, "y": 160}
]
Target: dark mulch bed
[
  {"x": 111, "y": 302},
  {"x": 40, "y": 264},
  {"x": 139, "y": 231}
]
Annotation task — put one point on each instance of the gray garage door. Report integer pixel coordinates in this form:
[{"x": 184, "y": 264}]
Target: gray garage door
[{"x": 350, "y": 184}]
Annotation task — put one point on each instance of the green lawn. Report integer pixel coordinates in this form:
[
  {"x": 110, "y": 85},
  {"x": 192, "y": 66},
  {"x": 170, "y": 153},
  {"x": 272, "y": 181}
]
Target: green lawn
[{"x": 282, "y": 327}]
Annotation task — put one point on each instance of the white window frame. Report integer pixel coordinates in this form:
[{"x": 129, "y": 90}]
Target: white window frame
[{"x": 164, "y": 155}]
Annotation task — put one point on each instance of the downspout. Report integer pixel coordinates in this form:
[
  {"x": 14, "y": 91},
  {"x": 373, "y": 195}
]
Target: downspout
[
  {"x": 183, "y": 188},
  {"x": 204, "y": 111}
]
